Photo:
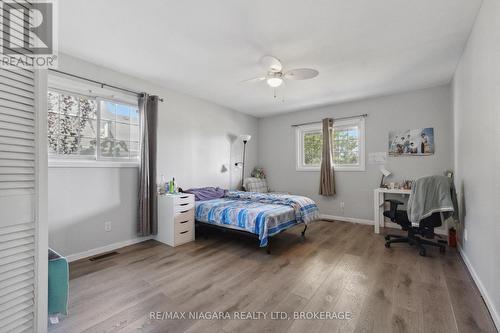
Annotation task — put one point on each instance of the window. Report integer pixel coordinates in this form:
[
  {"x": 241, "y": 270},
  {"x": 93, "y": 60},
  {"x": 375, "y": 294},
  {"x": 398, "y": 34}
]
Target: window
[
  {"x": 90, "y": 128},
  {"x": 347, "y": 141}
]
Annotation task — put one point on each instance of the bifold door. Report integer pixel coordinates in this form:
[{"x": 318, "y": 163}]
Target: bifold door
[{"x": 17, "y": 198}]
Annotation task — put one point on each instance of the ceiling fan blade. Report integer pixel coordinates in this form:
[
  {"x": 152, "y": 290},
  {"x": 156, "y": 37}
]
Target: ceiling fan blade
[
  {"x": 271, "y": 64},
  {"x": 255, "y": 79},
  {"x": 301, "y": 74}
]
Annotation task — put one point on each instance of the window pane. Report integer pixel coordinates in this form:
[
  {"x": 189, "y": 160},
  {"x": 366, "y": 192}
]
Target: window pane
[
  {"x": 123, "y": 113},
  {"x": 113, "y": 148},
  {"x": 53, "y": 101},
  {"x": 121, "y": 149},
  {"x": 122, "y": 132},
  {"x": 134, "y": 149},
  {"x": 89, "y": 129},
  {"x": 108, "y": 129},
  {"x": 68, "y": 105},
  {"x": 346, "y": 146},
  {"x": 68, "y": 145},
  {"x": 53, "y": 131},
  {"x": 108, "y": 110},
  {"x": 312, "y": 148},
  {"x": 134, "y": 116},
  {"x": 134, "y": 132},
  {"x": 88, "y": 146},
  {"x": 88, "y": 108},
  {"x": 68, "y": 125}
]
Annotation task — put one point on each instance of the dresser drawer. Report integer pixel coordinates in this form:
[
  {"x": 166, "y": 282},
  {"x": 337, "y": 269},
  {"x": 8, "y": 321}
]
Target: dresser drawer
[
  {"x": 178, "y": 208},
  {"x": 184, "y": 236},
  {"x": 185, "y": 215},
  {"x": 183, "y": 199},
  {"x": 184, "y": 225}
]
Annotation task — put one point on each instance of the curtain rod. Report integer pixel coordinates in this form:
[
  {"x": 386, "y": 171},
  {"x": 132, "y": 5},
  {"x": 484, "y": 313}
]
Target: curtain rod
[
  {"x": 102, "y": 84},
  {"x": 364, "y": 115}
]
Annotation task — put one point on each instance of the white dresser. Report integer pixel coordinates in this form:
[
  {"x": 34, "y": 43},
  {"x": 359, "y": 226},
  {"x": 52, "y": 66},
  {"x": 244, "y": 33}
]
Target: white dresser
[{"x": 175, "y": 218}]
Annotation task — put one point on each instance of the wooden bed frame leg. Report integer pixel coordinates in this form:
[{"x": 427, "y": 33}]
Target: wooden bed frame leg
[
  {"x": 304, "y": 231},
  {"x": 268, "y": 247}
]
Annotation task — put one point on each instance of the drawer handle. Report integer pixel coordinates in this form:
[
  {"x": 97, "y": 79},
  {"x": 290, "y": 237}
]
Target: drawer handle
[
  {"x": 185, "y": 197},
  {"x": 184, "y": 204},
  {"x": 183, "y": 232},
  {"x": 184, "y": 222},
  {"x": 184, "y": 211}
]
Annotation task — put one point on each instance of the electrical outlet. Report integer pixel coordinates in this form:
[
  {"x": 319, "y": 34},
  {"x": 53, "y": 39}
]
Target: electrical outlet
[
  {"x": 342, "y": 204},
  {"x": 107, "y": 226},
  {"x": 465, "y": 235}
]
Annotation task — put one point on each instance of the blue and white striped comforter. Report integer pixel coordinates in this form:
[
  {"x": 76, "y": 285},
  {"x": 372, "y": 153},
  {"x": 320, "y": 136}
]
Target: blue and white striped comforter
[{"x": 264, "y": 214}]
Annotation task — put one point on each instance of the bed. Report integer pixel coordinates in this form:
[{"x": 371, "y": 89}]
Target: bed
[{"x": 262, "y": 215}]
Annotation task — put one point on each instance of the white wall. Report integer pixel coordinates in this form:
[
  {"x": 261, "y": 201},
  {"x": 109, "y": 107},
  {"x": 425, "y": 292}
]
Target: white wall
[
  {"x": 195, "y": 140},
  {"x": 424, "y": 108},
  {"x": 477, "y": 145}
]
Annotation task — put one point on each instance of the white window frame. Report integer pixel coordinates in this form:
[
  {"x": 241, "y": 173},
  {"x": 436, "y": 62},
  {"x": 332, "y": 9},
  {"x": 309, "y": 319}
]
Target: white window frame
[
  {"x": 58, "y": 161},
  {"x": 300, "y": 131}
]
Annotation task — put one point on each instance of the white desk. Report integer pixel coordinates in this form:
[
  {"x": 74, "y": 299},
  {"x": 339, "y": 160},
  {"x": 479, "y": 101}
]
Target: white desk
[{"x": 378, "y": 204}]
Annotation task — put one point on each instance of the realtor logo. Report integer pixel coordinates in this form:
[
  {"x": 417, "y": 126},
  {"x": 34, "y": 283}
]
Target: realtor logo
[{"x": 28, "y": 34}]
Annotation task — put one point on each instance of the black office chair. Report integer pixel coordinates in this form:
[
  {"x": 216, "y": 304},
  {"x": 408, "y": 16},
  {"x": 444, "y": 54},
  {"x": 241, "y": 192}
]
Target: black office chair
[{"x": 416, "y": 235}]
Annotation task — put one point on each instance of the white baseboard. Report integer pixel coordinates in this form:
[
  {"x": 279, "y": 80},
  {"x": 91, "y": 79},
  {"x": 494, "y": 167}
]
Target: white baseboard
[
  {"x": 438, "y": 231},
  {"x": 487, "y": 299},
  {"x": 107, "y": 248},
  {"x": 346, "y": 219}
]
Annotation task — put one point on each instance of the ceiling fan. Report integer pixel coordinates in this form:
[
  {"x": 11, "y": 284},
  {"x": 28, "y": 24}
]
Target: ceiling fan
[{"x": 275, "y": 74}]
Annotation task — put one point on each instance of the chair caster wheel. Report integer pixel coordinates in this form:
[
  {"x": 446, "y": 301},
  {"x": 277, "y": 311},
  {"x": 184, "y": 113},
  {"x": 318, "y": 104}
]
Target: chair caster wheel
[
  {"x": 442, "y": 249},
  {"x": 387, "y": 245},
  {"x": 422, "y": 252},
  {"x": 387, "y": 238}
]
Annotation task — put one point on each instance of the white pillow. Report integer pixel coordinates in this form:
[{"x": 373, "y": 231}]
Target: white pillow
[{"x": 255, "y": 185}]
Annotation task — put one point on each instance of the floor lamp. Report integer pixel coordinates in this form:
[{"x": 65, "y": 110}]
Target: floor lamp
[{"x": 245, "y": 138}]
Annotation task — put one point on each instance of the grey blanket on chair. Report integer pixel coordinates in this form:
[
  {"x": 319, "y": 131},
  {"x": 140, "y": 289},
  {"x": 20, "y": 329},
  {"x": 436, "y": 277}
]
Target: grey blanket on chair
[{"x": 430, "y": 195}]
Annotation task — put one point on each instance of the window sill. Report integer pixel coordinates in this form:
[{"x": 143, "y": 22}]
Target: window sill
[
  {"x": 91, "y": 164},
  {"x": 338, "y": 169}
]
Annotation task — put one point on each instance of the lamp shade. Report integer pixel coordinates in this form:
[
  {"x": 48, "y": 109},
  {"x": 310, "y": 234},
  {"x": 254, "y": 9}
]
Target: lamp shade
[
  {"x": 385, "y": 172},
  {"x": 245, "y": 137}
]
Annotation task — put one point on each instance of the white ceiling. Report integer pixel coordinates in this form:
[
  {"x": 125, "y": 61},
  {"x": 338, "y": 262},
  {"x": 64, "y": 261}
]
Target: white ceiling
[{"x": 205, "y": 48}]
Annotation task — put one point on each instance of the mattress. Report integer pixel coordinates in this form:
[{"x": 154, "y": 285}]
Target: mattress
[{"x": 261, "y": 214}]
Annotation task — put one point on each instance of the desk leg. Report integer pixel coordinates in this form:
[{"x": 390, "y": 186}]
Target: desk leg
[{"x": 378, "y": 211}]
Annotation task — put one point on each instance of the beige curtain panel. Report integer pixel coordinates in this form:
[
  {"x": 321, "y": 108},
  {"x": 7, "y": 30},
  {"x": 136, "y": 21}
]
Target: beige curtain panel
[{"x": 327, "y": 177}]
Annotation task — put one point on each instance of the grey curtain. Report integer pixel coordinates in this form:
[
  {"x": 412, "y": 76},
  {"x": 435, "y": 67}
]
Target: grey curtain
[
  {"x": 148, "y": 219},
  {"x": 327, "y": 177}
]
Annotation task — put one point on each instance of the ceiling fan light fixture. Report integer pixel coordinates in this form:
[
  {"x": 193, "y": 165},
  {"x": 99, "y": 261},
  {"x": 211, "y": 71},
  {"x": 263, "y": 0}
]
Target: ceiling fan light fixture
[{"x": 274, "y": 82}]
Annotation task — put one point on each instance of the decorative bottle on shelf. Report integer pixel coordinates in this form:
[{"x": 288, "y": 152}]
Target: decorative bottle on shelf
[
  {"x": 162, "y": 185},
  {"x": 171, "y": 188}
]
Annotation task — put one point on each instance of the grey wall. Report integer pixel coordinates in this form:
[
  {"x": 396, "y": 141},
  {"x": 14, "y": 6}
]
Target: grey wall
[
  {"x": 423, "y": 108},
  {"x": 196, "y": 139},
  {"x": 477, "y": 146}
]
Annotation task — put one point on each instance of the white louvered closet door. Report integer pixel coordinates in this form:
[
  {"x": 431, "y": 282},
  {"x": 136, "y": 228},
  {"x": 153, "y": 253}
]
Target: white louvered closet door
[{"x": 17, "y": 200}]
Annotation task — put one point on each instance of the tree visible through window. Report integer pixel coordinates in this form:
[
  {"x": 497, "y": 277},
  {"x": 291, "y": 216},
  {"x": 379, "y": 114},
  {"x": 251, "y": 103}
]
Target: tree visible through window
[
  {"x": 85, "y": 127},
  {"x": 313, "y": 143},
  {"x": 346, "y": 146},
  {"x": 346, "y": 142}
]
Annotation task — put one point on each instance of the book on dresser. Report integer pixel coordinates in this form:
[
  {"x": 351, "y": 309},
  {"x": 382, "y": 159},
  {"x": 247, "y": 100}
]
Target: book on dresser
[{"x": 175, "y": 218}]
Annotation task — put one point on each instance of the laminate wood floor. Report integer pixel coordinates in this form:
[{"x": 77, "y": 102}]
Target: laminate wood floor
[{"x": 339, "y": 267}]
